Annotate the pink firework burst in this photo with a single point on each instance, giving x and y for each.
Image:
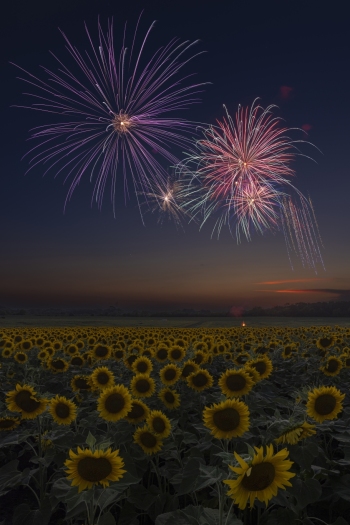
(240, 171)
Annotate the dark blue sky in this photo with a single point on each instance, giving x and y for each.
(253, 49)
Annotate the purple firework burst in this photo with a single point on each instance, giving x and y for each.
(114, 113)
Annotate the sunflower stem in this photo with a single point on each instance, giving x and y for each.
(41, 467)
(229, 512)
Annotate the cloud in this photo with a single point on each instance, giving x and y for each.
(293, 281)
(286, 92)
(344, 294)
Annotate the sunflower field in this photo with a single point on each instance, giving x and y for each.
(171, 426)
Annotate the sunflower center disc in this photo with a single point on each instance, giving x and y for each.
(21, 357)
(82, 383)
(114, 403)
(200, 380)
(94, 469)
(119, 353)
(176, 354)
(332, 365)
(326, 342)
(142, 367)
(142, 386)
(325, 404)
(25, 402)
(136, 411)
(102, 378)
(101, 351)
(162, 354)
(158, 425)
(260, 366)
(62, 410)
(148, 440)
(261, 476)
(235, 382)
(187, 370)
(170, 374)
(77, 361)
(169, 397)
(227, 419)
(58, 364)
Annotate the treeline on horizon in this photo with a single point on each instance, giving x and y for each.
(320, 309)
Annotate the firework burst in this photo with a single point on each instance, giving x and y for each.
(166, 200)
(240, 171)
(115, 111)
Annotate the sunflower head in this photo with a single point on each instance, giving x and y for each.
(142, 365)
(101, 378)
(200, 380)
(87, 468)
(148, 441)
(138, 412)
(142, 385)
(159, 423)
(261, 477)
(114, 403)
(170, 398)
(235, 383)
(324, 403)
(62, 410)
(227, 419)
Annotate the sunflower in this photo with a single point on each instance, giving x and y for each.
(7, 352)
(77, 360)
(170, 398)
(324, 403)
(296, 433)
(129, 360)
(170, 374)
(100, 352)
(262, 365)
(159, 423)
(188, 368)
(26, 345)
(119, 353)
(43, 354)
(114, 403)
(87, 468)
(200, 380)
(142, 385)
(62, 410)
(57, 365)
(80, 382)
(142, 365)
(200, 357)
(332, 367)
(148, 441)
(161, 353)
(261, 477)
(21, 357)
(227, 419)
(235, 383)
(176, 353)
(8, 423)
(241, 358)
(23, 400)
(325, 342)
(102, 378)
(138, 412)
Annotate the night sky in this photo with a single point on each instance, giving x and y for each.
(289, 53)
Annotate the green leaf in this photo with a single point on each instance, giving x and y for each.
(107, 519)
(279, 516)
(194, 516)
(305, 492)
(341, 487)
(90, 440)
(195, 476)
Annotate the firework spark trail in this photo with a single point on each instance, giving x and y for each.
(166, 201)
(241, 171)
(115, 113)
